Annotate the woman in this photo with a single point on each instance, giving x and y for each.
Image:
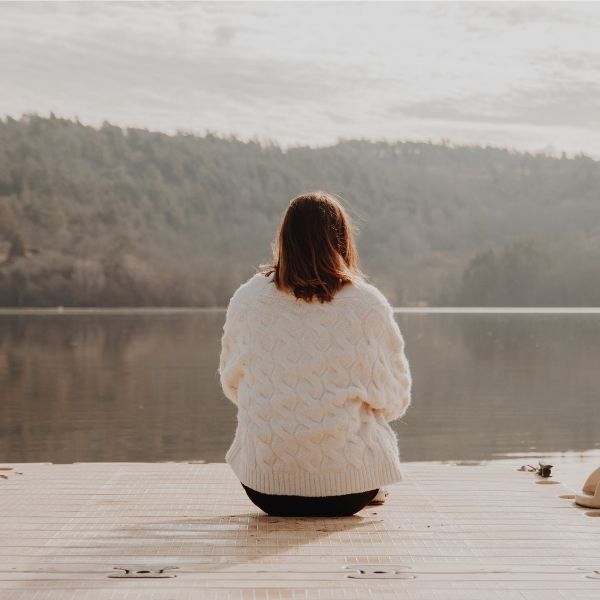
(313, 359)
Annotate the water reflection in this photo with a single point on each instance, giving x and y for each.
(144, 387)
(494, 385)
(112, 388)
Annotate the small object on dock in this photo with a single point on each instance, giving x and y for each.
(544, 470)
(589, 496)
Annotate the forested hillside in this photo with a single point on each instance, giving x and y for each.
(114, 217)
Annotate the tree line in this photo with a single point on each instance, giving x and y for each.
(129, 217)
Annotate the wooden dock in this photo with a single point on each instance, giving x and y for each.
(173, 531)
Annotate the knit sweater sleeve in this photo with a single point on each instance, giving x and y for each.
(233, 350)
(390, 385)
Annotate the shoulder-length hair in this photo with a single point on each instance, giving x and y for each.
(314, 253)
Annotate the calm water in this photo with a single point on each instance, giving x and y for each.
(144, 387)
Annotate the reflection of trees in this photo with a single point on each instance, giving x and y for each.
(494, 384)
(72, 387)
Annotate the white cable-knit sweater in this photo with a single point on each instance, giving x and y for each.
(315, 385)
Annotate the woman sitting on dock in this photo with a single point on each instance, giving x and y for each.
(314, 360)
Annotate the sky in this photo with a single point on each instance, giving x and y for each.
(519, 75)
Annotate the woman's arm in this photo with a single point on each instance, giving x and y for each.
(231, 358)
(390, 386)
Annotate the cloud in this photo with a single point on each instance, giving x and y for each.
(532, 13)
(109, 73)
(223, 35)
(122, 59)
(337, 118)
(571, 65)
(574, 105)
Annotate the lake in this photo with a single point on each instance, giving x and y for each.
(143, 386)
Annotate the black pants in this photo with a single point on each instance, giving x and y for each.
(304, 506)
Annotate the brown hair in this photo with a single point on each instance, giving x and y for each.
(314, 253)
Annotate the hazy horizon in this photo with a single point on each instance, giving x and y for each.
(521, 76)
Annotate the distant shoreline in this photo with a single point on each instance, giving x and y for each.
(191, 310)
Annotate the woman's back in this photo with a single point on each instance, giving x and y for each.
(316, 384)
